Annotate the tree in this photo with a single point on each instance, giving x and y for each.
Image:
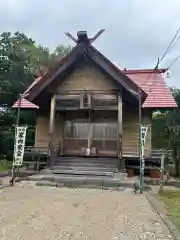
(166, 131)
(20, 59)
(173, 130)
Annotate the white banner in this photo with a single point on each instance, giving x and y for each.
(20, 138)
(144, 130)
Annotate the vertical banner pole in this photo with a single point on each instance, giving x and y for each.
(142, 139)
(140, 143)
(143, 134)
(17, 124)
(141, 161)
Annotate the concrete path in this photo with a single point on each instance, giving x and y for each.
(41, 213)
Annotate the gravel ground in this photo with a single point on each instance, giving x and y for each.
(31, 213)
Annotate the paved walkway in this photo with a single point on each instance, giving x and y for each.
(33, 213)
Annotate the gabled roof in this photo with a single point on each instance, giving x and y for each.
(25, 104)
(84, 48)
(150, 81)
(153, 83)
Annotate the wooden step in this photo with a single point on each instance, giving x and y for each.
(83, 172)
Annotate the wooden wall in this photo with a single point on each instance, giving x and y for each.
(90, 78)
(130, 139)
(86, 77)
(42, 130)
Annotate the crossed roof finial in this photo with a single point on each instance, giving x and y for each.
(82, 36)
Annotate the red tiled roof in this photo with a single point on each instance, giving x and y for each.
(153, 83)
(25, 104)
(150, 80)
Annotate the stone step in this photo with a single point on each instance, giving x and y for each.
(85, 165)
(78, 179)
(77, 186)
(87, 160)
(82, 181)
(63, 178)
(82, 172)
(84, 168)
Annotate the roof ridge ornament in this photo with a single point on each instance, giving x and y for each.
(82, 36)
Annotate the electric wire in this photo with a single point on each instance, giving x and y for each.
(174, 61)
(171, 45)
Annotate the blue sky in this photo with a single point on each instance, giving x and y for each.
(137, 31)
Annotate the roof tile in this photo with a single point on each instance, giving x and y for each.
(153, 83)
(25, 104)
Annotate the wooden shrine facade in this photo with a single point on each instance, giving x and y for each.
(88, 111)
(86, 103)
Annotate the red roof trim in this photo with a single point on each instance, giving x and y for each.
(136, 71)
(33, 84)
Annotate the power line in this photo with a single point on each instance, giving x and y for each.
(169, 47)
(174, 43)
(174, 61)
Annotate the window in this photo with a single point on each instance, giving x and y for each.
(71, 130)
(98, 131)
(83, 130)
(111, 131)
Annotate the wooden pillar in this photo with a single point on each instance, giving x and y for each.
(120, 132)
(62, 133)
(51, 130)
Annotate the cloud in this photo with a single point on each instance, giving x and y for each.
(137, 31)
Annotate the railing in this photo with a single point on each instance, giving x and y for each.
(37, 157)
(153, 162)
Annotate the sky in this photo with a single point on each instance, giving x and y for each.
(137, 31)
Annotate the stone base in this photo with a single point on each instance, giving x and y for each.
(117, 182)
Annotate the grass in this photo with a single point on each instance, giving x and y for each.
(5, 165)
(172, 202)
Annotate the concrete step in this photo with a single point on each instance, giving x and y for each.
(77, 179)
(87, 160)
(82, 172)
(84, 168)
(85, 165)
(102, 182)
(51, 184)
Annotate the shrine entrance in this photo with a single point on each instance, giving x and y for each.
(87, 129)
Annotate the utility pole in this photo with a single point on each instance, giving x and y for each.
(141, 144)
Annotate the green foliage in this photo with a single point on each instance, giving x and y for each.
(159, 132)
(20, 59)
(172, 202)
(5, 165)
(166, 131)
